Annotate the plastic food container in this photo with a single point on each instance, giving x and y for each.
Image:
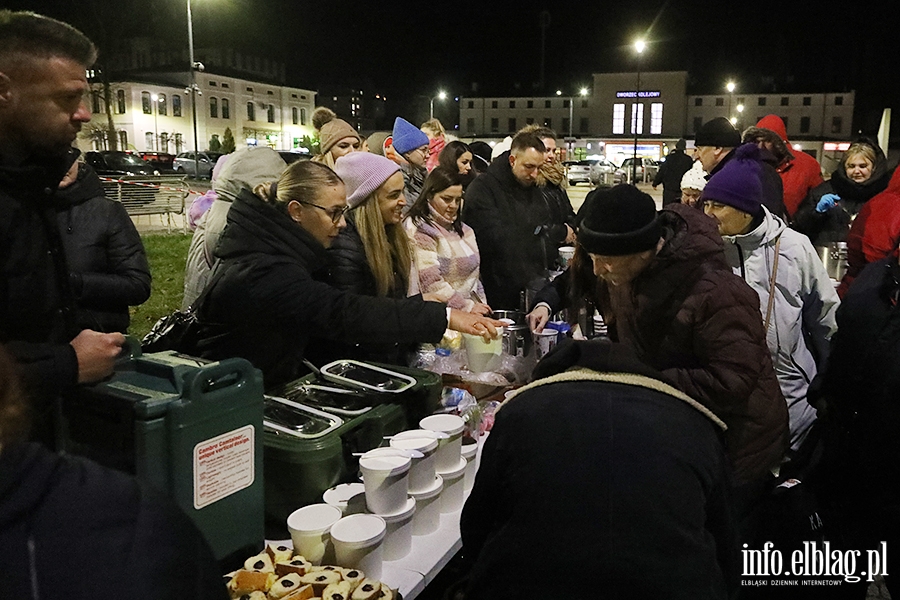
(358, 543)
(449, 449)
(428, 508)
(310, 531)
(349, 497)
(470, 453)
(398, 538)
(454, 482)
(385, 477)
(422, 470)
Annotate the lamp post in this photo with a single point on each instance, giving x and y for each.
(740, 110)
(639, 48)
(582, 92)
(730, 87)
(193, 88)
(442, 95)
(155, 99)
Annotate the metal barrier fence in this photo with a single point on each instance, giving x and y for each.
(161, 195)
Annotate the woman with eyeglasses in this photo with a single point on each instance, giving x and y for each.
(267, 298)
(446, 253)
(411, 143)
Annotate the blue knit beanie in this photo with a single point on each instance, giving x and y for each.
(739, 183)
(407, 137)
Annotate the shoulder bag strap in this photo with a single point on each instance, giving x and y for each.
(772, 285)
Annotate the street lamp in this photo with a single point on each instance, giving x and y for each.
(582, 92)
(639, 48)
(442, 95)
(730, 87)
(194, 65)
(155, 98)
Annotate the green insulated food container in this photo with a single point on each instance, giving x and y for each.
(188, 427)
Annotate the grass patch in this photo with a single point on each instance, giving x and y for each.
(167, 253)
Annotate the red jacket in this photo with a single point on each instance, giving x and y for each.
(799, 175)
(875, 232)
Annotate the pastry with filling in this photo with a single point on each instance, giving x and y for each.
(260, 562)
(321, 579)
(298, 565)
(245, 582)
(285, 586)
(368, 589)
(353, 577)
(386, 593)
(324, 568)
(279, 553)
(337, 591)
(304, 593)
(252, 596)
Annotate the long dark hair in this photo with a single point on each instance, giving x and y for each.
(450, 154)
(437, 181)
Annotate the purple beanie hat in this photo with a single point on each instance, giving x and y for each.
(739, 183)
(363, 173)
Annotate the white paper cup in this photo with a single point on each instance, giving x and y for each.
(385, 479)
(358, 543)
(398, 538)
(310, 527)
(454, 482)
(566, 253)
(349, 497)
(448, 452)
(428, 508)
(482, 356)
(545, 341)
(421, 471)
(470, 453)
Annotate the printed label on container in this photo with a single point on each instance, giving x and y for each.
(223, 465)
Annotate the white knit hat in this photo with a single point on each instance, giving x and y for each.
(363, 173)
(694, 178)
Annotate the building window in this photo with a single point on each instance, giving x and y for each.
(146, 103)
(761, 101)
(785, 101)
(250, 89)
(618, 119)
(548, 122)
(495, 124)
(804, 124)
(512, 103)
(270, 113)
(584, 104)
(212, 84)
(295, 115)
(161, 105)
(720, 101)
(511, 125)
(95, 103)
(120, 101)
(123, 138)
(698, 101)
(566, 103)
(785, 119)
(698, 123)
(838, 100)
(179, 142)
(637, 118)
(836, 124)
(270, 92)
(224, 85)
(547, 104)
(303, 116)
(530, 104)
(226, 109)
(494, 104)
(251, 111)
(583, 126)
(529, 121)
(148, 140)
(656, 112)
(471, 104)
(176, 105)
(470, 125)
(164, 142)
(214, 108)
(566, 125)
(807, 101)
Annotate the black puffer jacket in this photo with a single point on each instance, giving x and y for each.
(513, 226)
(670, 173)
(834, 225)
(37, 309)
(108, 268)
(70, 528)
(264, 303)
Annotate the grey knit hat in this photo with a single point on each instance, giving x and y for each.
(247, 168)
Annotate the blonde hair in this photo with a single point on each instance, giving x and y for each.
(434, 127)
(860, 149)
(324, 159)
(301, 181)
(387, 247)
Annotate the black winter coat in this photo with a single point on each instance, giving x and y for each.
(264, 302)
(108, 268)
(70, 528)
(37, 308)
(512, 226)
(670, 173)
(613, 489)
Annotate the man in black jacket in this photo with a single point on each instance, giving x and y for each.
(677, 163)
(513, 224)
(42, 88)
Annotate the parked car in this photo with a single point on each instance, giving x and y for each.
(161, 161)
(184, 163)
(579, 171)
(108, 162)
(602, 172)
(290, 156)
(645, 171)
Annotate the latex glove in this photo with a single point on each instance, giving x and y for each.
(827, 202)
(538, 318)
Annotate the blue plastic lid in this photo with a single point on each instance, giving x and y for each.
(442, 351)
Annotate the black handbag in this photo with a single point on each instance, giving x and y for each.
(181, 330)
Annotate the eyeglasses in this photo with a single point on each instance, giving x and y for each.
(335, 213)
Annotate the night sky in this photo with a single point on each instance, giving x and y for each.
(401, 48)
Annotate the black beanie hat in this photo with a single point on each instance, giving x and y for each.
(718, 132)
(619, 221)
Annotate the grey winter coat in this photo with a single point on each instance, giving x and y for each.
(803, 311)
